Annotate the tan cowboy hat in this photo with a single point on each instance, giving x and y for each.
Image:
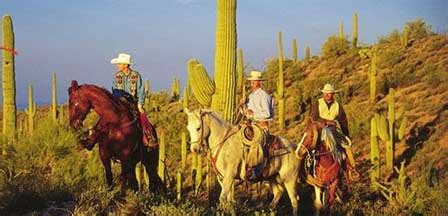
(255, 75)
(328, 88)
(123, 58)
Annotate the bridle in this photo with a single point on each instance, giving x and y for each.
(213, 158)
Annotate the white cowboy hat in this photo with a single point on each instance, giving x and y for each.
(123, 58)
(328, 88)
(255, 75)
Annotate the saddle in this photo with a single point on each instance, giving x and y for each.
(149, 135)
(259, 148)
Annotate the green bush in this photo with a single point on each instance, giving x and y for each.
(334, 46)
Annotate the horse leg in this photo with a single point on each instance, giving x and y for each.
(150, 160)
(318, 202)
(128, 176)
(277, 190)
(105, 159)
(226, 187)
(291, 188)
(332, 192)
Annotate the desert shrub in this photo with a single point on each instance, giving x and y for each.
(389, 57)
(417, 29)
(392, 37)
(334, 46)
(433, 75)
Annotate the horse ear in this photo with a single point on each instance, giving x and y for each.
(74, 85)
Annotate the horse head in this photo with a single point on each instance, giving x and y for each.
(309, 139)
(197, 128)
(78, 105)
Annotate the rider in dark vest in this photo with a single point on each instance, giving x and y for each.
(328, 112)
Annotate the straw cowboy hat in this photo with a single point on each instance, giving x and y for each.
(255, 75)
(123, 58)
(328, 88)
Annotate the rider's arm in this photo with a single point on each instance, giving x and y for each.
(140, 91)
(343, 122)
(314, 111)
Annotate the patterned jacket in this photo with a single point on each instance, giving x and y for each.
(131, 83)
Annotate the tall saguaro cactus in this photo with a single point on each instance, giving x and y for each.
(54, 102)
(294, 50)
(147, 104)
(31, 110)
(341, 30)
(374, 154)
(390, 145)
(307, 54)
(280, 85)
(355, 31)
(220, 94)
(240, 73)
(225, 59)
(372, 75)
(8, 80)
(162, 157)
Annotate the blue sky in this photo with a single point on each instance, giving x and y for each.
(77, 39)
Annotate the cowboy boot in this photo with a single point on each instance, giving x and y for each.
(352, 174)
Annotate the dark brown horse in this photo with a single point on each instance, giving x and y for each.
(324, 173)
(117, 132)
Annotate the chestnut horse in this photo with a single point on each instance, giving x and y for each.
(117, 132)
(324, 172)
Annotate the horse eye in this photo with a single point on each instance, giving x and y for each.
(199, 128)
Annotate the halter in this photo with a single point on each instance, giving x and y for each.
(214, 158)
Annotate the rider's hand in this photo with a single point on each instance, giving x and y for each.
(140, 108)
(249, 112)
(330, 123)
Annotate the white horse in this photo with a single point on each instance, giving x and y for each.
(208, 130)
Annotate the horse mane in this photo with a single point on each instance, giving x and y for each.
(217, 116)
(104, 92)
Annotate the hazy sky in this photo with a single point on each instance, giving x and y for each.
(78, 38)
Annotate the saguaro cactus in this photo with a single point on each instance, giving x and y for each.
(31, 110)
(355, 31)
(280, 85)
(175, 89)
(201, 85)
(8, 80)
(307, 54)
(404, 38)
(183, 148)
(240, 72)
(147, 104)
(294, 50)
(372, 75)
(386, 129)
(222, 94)
(54, 102)
(390, 145)
(198, 179)
(225, 59)
(374, 154)
(162, 157)
(341, 30)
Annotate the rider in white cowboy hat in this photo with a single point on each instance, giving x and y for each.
(128, 80)
(328, 112)
(260, 107)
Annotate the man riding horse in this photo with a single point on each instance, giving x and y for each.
(259, 107)
(329, 113)
(128, 84)
(259, 111)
